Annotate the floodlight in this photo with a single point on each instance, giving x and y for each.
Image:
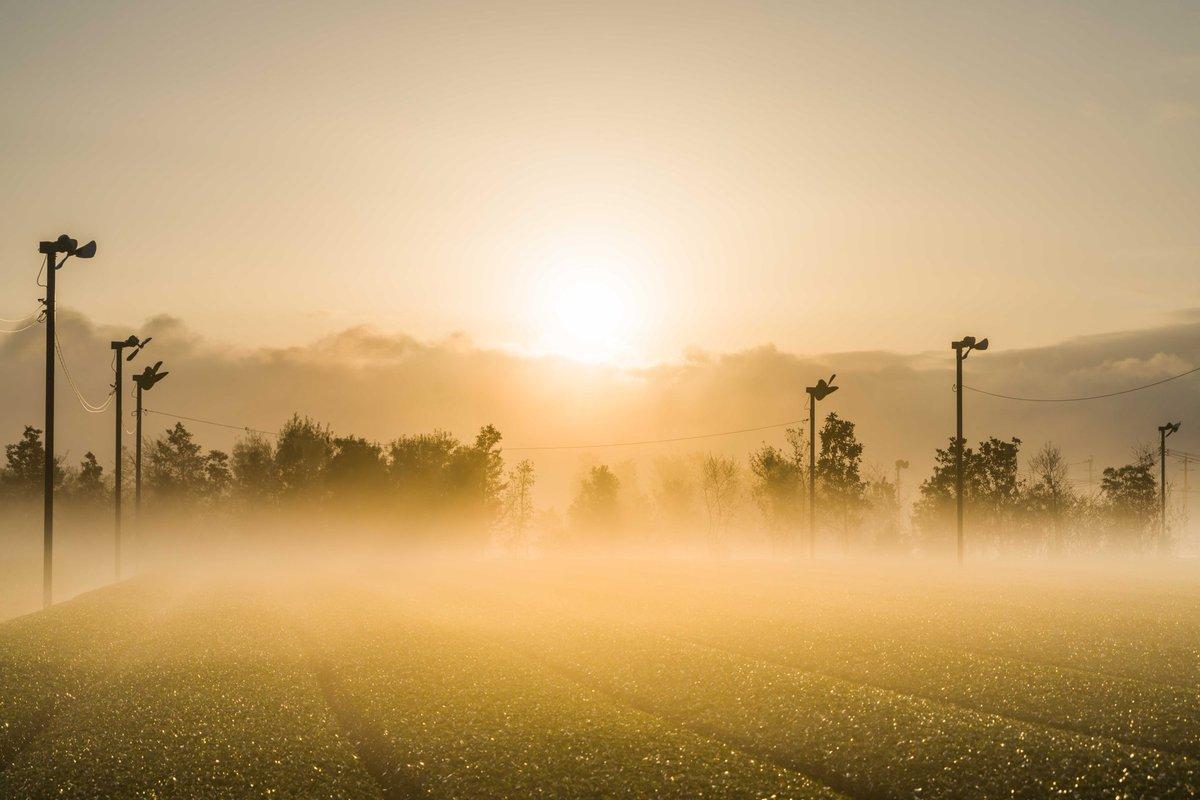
(982, 345)
(968, 341)
(149, 376)
(87, 251)
(65, 244)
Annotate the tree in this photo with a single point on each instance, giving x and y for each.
(518, 504)
(357, 472)
(992, 489)
(674, 493)
(255, 475)
(26, 465)
(842, 487)
(882, 511)
(217, 476)
(302, 454)
(595, 511)
(719, 482)
(1130, 497)
(477, 479)
(175, 467)
(1049, 495)
(89, 488)
(778, 479)
(419, 465)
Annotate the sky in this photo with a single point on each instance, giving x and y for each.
(589, 202)
(615, 181)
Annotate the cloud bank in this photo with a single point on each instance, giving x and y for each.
(380, 384)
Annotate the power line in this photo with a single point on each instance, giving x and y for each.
(657, 441)
(91, 408)
(32, 321)
(1088, 397)
(28, 316)
(209, 422)
(693, 437)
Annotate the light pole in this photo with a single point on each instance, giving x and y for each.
(961, 348)
(900, 464)
(145, 381)
(819, 392)
(119, 390)
(70, 247)
(1163, 432)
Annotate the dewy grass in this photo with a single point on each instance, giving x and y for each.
(605, 679)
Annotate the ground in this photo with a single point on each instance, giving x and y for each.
(612, 678)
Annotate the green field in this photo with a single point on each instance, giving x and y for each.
(621, 678)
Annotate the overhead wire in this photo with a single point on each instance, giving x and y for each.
(692, 437)
(656, 441)
(89, 407)
(31, 323)
(209, 422)
(1086, 397)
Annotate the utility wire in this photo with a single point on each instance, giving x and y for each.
(542, 447)
(30, 315)
(91, 408)
(32, 321)
(656, 441)
(209, 422)
(1078, 399)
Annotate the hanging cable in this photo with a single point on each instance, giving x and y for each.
(1088, 397)
(658, 441)
(91, 408)
(209, 422)
(27, 326)
(693, 437)
(30, 315)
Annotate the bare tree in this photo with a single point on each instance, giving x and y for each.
(518, 504)
(1050, 491)
(719, 482)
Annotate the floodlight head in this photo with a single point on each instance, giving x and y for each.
(132, 341)
(823, 388)
(65, 244)
(901, 464)
(968, 341)
(982, 344)
(137, 346)
(87, 251)
(149, 376)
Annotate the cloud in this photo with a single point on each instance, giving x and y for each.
(380, 384)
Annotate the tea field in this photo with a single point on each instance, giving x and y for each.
(616, 678)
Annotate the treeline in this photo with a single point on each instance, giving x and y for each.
(434, 485)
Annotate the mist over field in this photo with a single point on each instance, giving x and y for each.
(527, 400)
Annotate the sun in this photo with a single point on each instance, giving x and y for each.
(588, 314)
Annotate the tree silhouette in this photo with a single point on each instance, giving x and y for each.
(25, 466)
(596, 512)
(843, 490)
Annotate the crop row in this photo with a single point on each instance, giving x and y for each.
(863, 740)
(211, 698)
(447, 714)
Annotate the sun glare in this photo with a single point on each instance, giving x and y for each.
(588, 314)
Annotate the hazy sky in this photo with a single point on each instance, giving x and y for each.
(611, 180)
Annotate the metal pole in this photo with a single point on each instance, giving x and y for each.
(812, 475)
(48, 469)
(118, 388)
(137, 462)
(1162, 491)
(958, 446)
